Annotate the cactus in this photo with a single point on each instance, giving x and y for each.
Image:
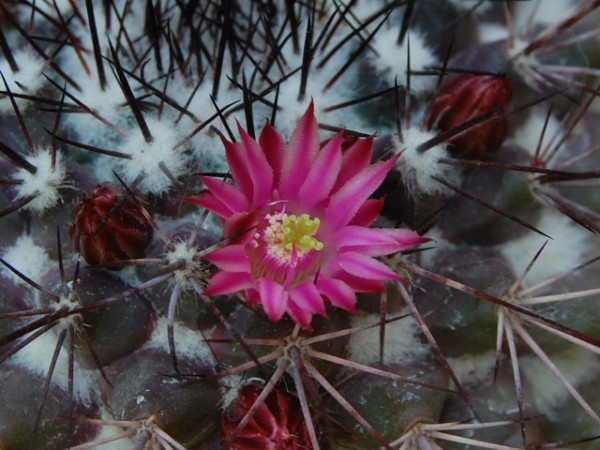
(299, 225)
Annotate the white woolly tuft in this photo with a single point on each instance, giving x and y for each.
(292, 107)
(475, 368)
(110, 431)
(401, 341)
(106, 431)
(547, 392)
(417, 168)
(44, 184)
(49, 7)
(27, 80)
(209, 153)
(188, 343)
(531, 14)
(110, 104)
(183, 251)
(147, 158)
(230, 389)
(439, 244)
(492, 32)
(28, 258)
(107, 104)
(37, 357)
(468, 5)
(567, 249)
(392, 59)
(527, 135)
(522, 61)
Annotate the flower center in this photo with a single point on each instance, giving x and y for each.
(286, 235)
(299, 232)
(285, 247)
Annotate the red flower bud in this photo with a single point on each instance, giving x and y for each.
(108, 227)
(465, 98)
(278, 423)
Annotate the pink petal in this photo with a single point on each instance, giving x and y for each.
(355, 159)
(223, 283)
(323, 173)
(274, 298)
(298, 160)
(307, 297)
(231, 258)
(261, 173)
(408, 238)
(207, 200)
(346, 202)
(363, 266)
(238, 164)
(375, 242)
(227, 194)
(240, 226)
(273, 147)
(354, 236)
(368, 212)
(358, 284)
(338, 293)
(301, 316)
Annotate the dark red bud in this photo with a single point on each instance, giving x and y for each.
(108, 227)
(466, 98)
(277, 423)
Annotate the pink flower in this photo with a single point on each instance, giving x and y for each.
(298, 219)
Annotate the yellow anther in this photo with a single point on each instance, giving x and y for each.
(299, 232)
